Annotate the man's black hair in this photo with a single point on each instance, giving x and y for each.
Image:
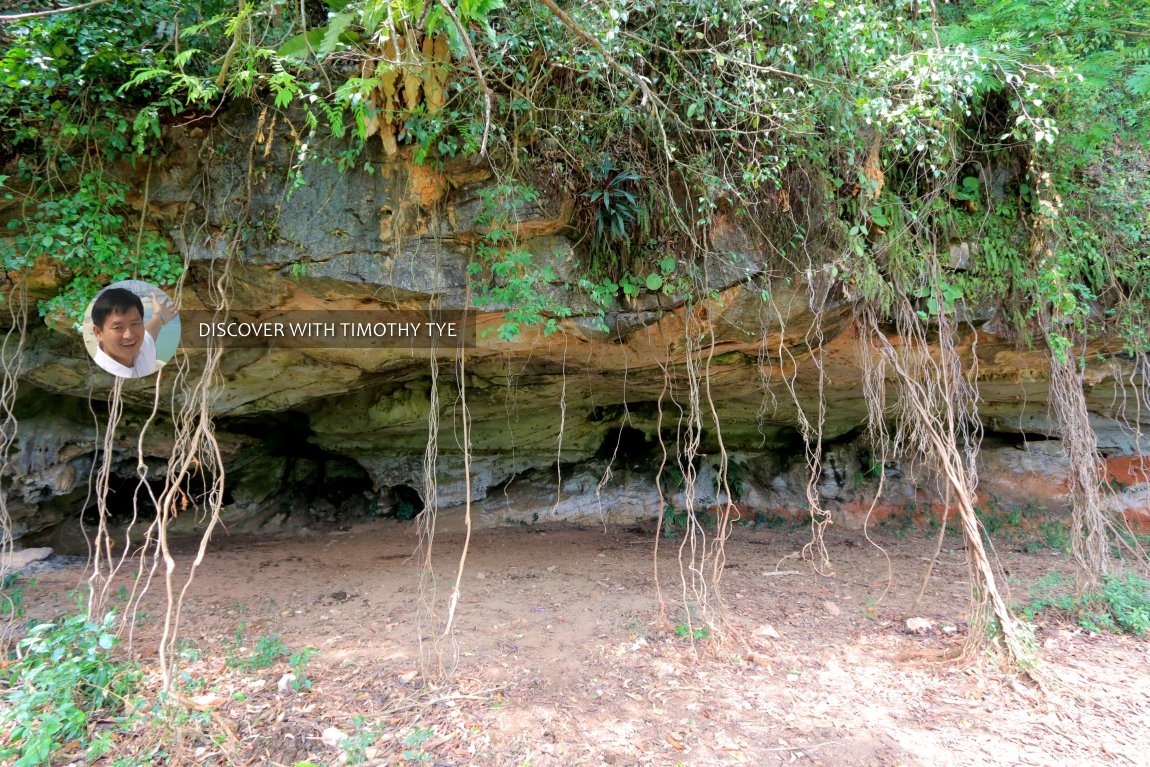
(115, 300)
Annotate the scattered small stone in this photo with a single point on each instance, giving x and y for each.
(481, 576)
(832, 609)
(333, 736)
(208, 701)
(767, 630)
(918, 625)
(17, 560)
(552, 568)
(285, 681)
(949, 629)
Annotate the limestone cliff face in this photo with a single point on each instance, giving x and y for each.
(564, 425)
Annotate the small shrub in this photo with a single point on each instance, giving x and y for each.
(11, 597)
(1055, 535)
(415, 742)
(64, 678)
(298, 661)
(1120, 606)
(675, 522)
(999, 522)
(268, 650)
(364, 737)
(683, 631)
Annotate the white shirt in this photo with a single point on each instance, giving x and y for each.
(145, 363)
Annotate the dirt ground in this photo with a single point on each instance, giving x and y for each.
(560, 658)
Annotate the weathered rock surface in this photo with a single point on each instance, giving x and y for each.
(13, 561)
(562, 426)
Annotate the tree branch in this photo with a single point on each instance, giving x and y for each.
(488, 96)
(51, 12)
(237, 33)
(582, 34)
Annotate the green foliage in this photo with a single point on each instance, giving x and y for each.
(60, 78)
(12, 589)
(405, 510)
(63, 680)
(86, 231)
(736, 481)
(356, 25)
(871, 130)
(364, 736)
(1120, 605)
(1087, 188)
(774, 521)
(902, 521)
(1055, 535)
(514, 284)
(1000, 522)
(298, 662)
(268, 651)
(415, 741)
(675, 522)
(683, 631)
(299, 270)
(617, 210)
(63, 122)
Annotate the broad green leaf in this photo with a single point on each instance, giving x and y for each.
(300, 46)
(332, 37)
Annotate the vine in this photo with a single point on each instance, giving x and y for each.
(912, 162)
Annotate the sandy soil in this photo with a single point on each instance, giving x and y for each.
(561, 659)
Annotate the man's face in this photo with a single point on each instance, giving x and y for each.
(121, 336)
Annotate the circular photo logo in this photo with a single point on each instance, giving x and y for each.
(131, 328)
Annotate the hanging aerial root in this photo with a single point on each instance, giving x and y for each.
(874, 394)
(937, 419)
(701, 556)
(11, 363)
(439, 650)
(195, 453)
(812, 433)
(661, 520)
(426, 522)
(1091, 526)
(102, 560)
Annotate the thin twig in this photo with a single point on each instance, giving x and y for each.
(51, 12)
(582, 34)
(488, 96)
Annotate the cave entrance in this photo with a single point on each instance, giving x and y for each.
(126, 498)
(631, 446)
(299, 480)
(408, 502)
(129, 501)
